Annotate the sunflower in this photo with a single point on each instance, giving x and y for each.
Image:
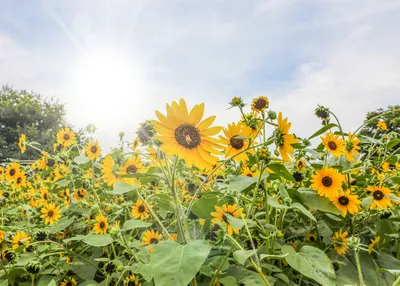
(249, 172)
(380, 197)
(301, 165)
(69, 281)
(283, 139)
(382, 125)
(20, 181)
(66, 195)
(185, 135)
(351, 147)
(20, 238)
(237, 138)
(311, 237)
(346, 203)
(333, 143)
(374, 242)
(66, 137)
(2, 172)
(151, 237)
(259, 104)
(219, 216)
(340, 242)
(93, 150)
(140, 210)
(44, 196)
(12, 171)
(102, 224)
(51, 213)
(80, 194)
(131, 281)
(132, 166)
(107, 169)
(22, 143)
(327, 181)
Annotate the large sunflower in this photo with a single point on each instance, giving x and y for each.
(237, 139)
(139, 210)
(12, 171)
(333, 143)
(219, 216)
(51, 213)
(283, 139)
(19, 239)
(102, 224)
(346, 203)
(259, 104)
(66, 137)
(22, 143)
(380, 197)
(184, 134)
(107, 170)
(93, 150)
(20, 181)
(340, 242)
(351, 147)
(327, 181)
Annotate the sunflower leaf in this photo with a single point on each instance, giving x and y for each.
(98, 240)
(234, 222)
(81, 160)
(281, 171)
(61, 224)
(242, 255)
(135, 223)
(322, 130)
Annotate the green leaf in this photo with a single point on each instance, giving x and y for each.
(176, 265)
(302, 209)
(312, 200)
(228, 281)
(273, 256)
(165, 202)
(234, 222)
(143, 269)
(61, 224)
(205, 206)
(62, 183)
(81, 160)
(274, 203)
(322, 130)
(281, 171)
(98, 240)
(122, 188)
(242, 255)
(52, 283)
(368, 140)
(242, 183)
(311, 262)
(135, 223)
(392, 143)
(366, 203)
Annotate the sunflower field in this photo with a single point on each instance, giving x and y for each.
(191, 203)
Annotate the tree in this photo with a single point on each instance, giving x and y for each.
(391, 119)
(38, 117)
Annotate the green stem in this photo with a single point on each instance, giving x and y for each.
(397, 282)
(215, 277)
(360, 277)
(8, 276)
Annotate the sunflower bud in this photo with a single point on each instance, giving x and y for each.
(264, 155)
(8, 255)
(272, 115)
(146, 132)
(298, 176)
(41, 235)
(33, 267)
(237, 101)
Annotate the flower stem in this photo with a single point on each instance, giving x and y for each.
(360, 277)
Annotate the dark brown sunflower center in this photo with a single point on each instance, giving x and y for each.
(102, 224)
(12, 172)
(19, 180)
(343, 200)
(332, 145)
(69, 284)
(378, 195)
(81, 194)
(45, 196)
(50, 163)
(132, 169)
(93, 149)
(187, 136)
(66, 136)
(236, 143)
(153, 240)
(50, 213)
(141, 208)
(327, 181)
(260, 103)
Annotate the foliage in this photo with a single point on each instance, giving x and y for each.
(181, 206)
(29, 113)
(391, 119)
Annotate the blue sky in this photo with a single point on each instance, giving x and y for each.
(114, 62)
